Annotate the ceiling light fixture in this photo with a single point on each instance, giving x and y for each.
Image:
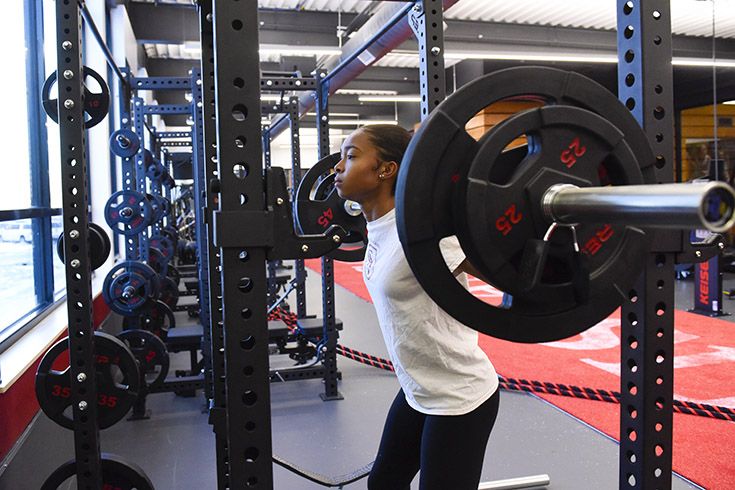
(299, 51)
(361, 122)
(359, 91)
(389, 98)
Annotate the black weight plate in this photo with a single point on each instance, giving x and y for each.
(106, 243)
(128, 212)
(172, 232)
(164, 244)
(116, 375)
(99, 246)
(157, 205)
(157, 261)
(169, 290)
(174, 274)
(151, 353)
(510, 202)
(129, 287)
(318, 206)
(155, 171)
(166, 204)
(96, 105)
(124, 143)
(117, 474)
(157, 318)
(436, 164)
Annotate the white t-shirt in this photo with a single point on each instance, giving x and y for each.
(438, 361)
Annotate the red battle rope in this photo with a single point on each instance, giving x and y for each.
(529, 386)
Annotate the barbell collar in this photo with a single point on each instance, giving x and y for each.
(709, 205)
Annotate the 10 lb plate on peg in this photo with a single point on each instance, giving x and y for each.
(117, 380)
(124, 143)
(99, 246)
(487, 191)
(96, 104)
(318, 206)
(117, 474)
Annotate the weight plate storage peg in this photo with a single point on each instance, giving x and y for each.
(128, 212)
(96, 104)
(129, 287)
(157, 318)
(124, 143)
(117, 378)
(489, 194)
(99, 246)
(318, 206)
(151, 353)
(117, 474)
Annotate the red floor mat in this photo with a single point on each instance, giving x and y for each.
(704, 362)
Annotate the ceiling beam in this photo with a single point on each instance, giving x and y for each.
(173, 24)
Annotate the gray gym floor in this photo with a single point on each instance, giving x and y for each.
(176, 446)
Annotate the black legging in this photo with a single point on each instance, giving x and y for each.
(448, 449)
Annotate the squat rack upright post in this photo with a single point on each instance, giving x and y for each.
(75, 204)
(237, 108)
(218, 401)
(645, 86)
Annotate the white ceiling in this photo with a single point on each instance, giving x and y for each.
(689, 17)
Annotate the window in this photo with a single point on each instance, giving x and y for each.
(15, 186)
(31, 277)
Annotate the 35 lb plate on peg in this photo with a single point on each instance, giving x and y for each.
(128, 212)
(99, 246)
(96, 104)
(117, 474)
(151, 353)
(129, 287)
(488, 194)
(318, 206)
(117, 381)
